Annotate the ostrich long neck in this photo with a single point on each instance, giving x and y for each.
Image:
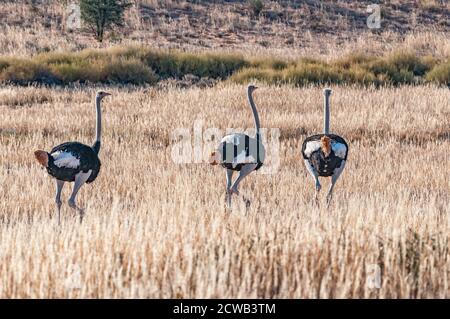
(98, 128)
(326, 111)
(255, 112)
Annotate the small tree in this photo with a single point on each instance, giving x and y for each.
(256, 6)
(100, 15)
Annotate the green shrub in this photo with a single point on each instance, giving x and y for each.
(79, 72)
(212, 66)
(55, 58)
(162, 63)
(357, 74)
(251, 74)
(269, 63)
(429, 62)
(222, 66)
(408, 62)
(4, 63)
(440, 74)
(93, 54)
(128, 51)
(105, 70)
(22, 71)
(201, 66)
(128, 71)
(311, 61)
(176, 65)
(256, 7)
(393, 71)
(351, 60)
(141, 65)
(307, 73)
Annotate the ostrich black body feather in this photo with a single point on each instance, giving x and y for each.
(88, 161)
(249, 147)
(325, 165)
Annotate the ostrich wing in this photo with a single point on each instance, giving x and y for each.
(241, 158)
(311, 147)
(339, 149)
(65, 159)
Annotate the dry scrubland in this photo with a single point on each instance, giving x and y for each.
(325, 29)
(287, 42)
(154, 228)
(157, 229)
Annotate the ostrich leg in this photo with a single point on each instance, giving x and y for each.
(59, 187)
(228, 195)
(246, 169)
(334, 178)
(315, 175)
(80, 179)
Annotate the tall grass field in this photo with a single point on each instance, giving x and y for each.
(155, 228)
(156, 222)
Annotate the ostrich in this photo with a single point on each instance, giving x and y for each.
(325, 154)
(240, 152)
(74, 162)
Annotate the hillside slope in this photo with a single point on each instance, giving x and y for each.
(282, 27)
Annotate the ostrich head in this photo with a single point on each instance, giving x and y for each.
(214, 158)
(102, 94)
(325, 145)
(251, 88)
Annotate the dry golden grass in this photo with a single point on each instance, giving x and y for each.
(154, 228)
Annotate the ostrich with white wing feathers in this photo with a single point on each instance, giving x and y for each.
(325, 154)
(74, 162)
(240, 152)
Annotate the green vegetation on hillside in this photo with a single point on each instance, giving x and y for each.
(140, 65)
(395, 69)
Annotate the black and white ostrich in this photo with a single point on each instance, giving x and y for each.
(74, 162)
(325, 154)
(240, 152)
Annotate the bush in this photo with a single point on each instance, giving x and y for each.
(307, 73)
(141, 65)
(213, 66)
(408, 62)
(4, 63)
(176, 65)
(21, 71)
(79, 72)
(126, 65)
(440, 74)
(353, 59)
(269, 63)
(357, 74)
(396, 69)
(256, 7)
(106, 70)
(263, 75)
(129, 71)
(55, 58)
